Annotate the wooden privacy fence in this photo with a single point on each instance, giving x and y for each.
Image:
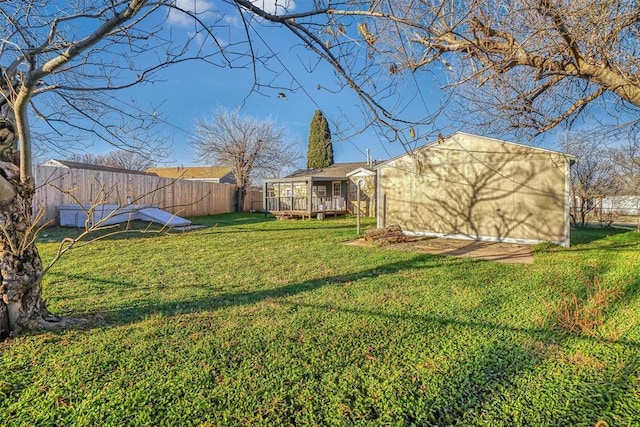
(63, 186)
(253, 200)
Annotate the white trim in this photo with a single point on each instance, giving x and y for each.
(567, 204)
(333, 188)
(361, 172)
(479, 238)
(378, 198)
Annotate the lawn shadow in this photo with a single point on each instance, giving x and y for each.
(231, 219)
(124, 231)
(144, 229)
(240, 219)
(580, 236)
(144, 308)
(227, 223)
(216, 230)
(488, 370)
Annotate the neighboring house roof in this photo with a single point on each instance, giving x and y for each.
(221, 174)
(88, 166)
(336, 170)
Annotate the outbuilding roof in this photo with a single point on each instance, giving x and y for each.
(88, 166)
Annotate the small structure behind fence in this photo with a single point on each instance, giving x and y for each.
(64, 186)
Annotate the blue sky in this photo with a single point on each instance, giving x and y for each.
(193, 90)
(233, 88)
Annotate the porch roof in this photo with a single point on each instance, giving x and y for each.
(335, 172)
(305, 179)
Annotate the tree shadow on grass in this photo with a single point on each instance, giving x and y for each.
(139, 229)
(581, 236)
(146, 230)
(481, 377)
(215, 230)
(147, 307)
(240, 219)
(124, 231)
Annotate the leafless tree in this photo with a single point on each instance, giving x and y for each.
(592, 175)
(62, 68)
(626, 167)
(250, 147)
(122, 159)
(518, 66)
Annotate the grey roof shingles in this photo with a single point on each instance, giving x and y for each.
(335, 170)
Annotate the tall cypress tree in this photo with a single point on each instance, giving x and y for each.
(320, 149)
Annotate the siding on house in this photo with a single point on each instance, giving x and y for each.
(479, 188)
(626, 205)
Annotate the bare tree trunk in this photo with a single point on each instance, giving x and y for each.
(583, 211)
(240, 194)
(21, 303)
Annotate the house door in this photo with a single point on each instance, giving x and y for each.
(338, 199)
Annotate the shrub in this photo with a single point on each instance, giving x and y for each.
(584, 315)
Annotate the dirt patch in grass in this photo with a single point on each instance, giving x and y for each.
(493, 251)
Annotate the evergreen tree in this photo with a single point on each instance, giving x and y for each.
(319, 150)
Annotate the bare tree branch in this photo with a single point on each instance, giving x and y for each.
(250, 147)
(553, 58)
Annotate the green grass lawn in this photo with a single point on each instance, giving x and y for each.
(253, 321)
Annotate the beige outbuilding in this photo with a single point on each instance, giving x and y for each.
(473, 187)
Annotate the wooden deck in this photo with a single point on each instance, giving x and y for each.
(298, 206)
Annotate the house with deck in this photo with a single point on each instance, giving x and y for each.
(316, 193)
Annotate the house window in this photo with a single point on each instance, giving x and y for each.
(337, 189)
(288, 192)
(320, 191)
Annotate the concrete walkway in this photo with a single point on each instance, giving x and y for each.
(507, 253)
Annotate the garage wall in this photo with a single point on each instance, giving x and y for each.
(480, 188)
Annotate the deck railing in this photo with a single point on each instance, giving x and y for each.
(321, 204)
(318, 204)
(287, 203)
